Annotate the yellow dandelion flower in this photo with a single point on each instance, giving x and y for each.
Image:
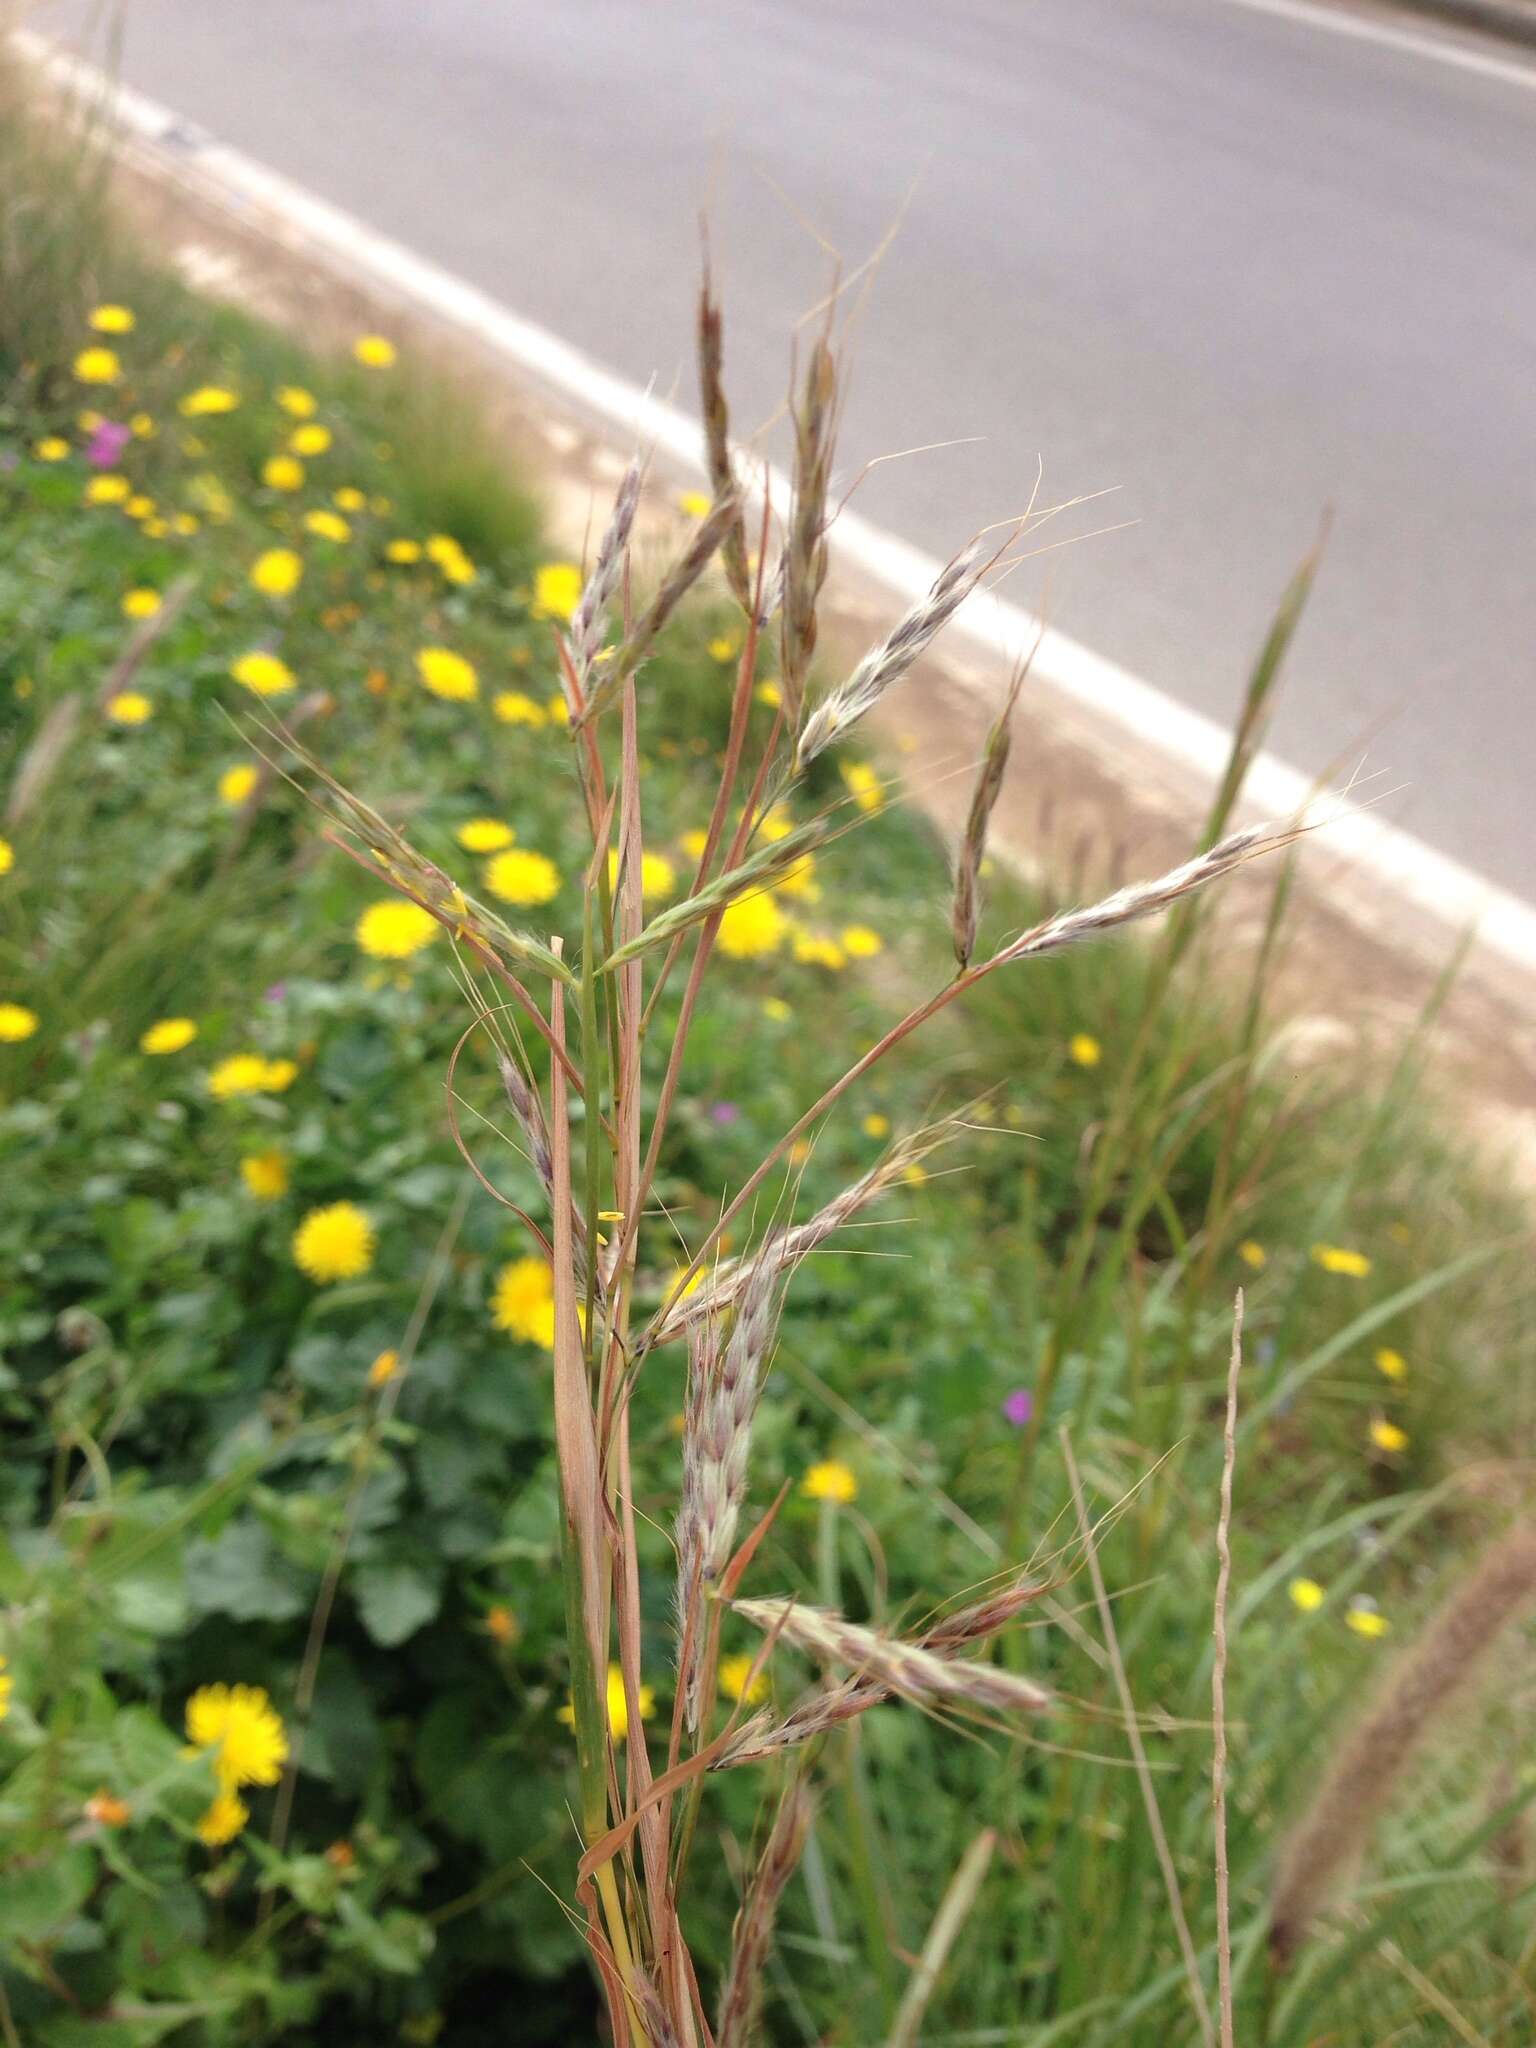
(142, 427)
(236, 784)
(1391, 1364)
(276, 1075)
(830, 1480)
(98, 366)
(558, 711)
(447, 675)
(523, 1303)
(349, 499)
(769, 694)
(108, 490)
(264, 673)
(876, 1126)
(1386, 1436)
(513, 707)
(694, 504)
(913, 1174)
(1084, 1050)
(110, 320)
(403, 551)
(334, 1243)
(725, 647)
(1367, 1622)
(129, 707)
(860, 943)
(265, 1175)
(484, 835)
(16, 1023)
(242, 1073)
(298, 403)
(383, 1369)
(815, 949)
(618, 1705)
(863, 785)
(242, 1729)
(155, 529)
(738, 1681)
(140, 604)
(556, 590)
(521, 877)
(776, 1010)
(171, 1034)
(374, 351)
(185, 523)
(207, 400)
(52, 448)
(139, 507)
(501, 1625)
(7, 1687)
(658, 877)
(1253, 1254)
(693, 844)
(1335, 1258)
(395, 929)
(1307, 1594)
(310, 440)
(328, 525)
(799, 1152)
(223, 1820)
(277, 573)
(751, 927)
(282, 473)
(7, 856)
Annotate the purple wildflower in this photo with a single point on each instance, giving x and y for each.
(1019, 1407)
(724, 1112)
(275, 993)
(106, 444)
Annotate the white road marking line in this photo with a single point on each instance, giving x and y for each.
(1418, 43)
(1398, 864)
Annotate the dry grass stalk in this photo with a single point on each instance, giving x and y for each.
(753, 1932)
(973, 841)
(760, 870)
(804, 564)
(717, 442)
(1370, 1762)
(954, 1910)
(909, 1669)
(1219, 1685)
(886, 664)
(1138, 1751)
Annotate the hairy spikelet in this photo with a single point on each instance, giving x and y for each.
(753, 1932)
(826, 1707)
(590, 618)
(805, 549)
(760, 870)
(1146, 899)
(973, 841)
(717, 442)
(1369, 1763)
(725, 1379)
(910, 1669)
(783, 1250)
(703, 545)
(888, 663)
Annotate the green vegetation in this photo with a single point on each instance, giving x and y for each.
(247, 1447)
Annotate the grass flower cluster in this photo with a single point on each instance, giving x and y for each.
(532, 1376)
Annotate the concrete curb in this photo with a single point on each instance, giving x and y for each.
(1402, 882)
(1507, 18)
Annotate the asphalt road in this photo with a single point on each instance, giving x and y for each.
(1228, 263)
